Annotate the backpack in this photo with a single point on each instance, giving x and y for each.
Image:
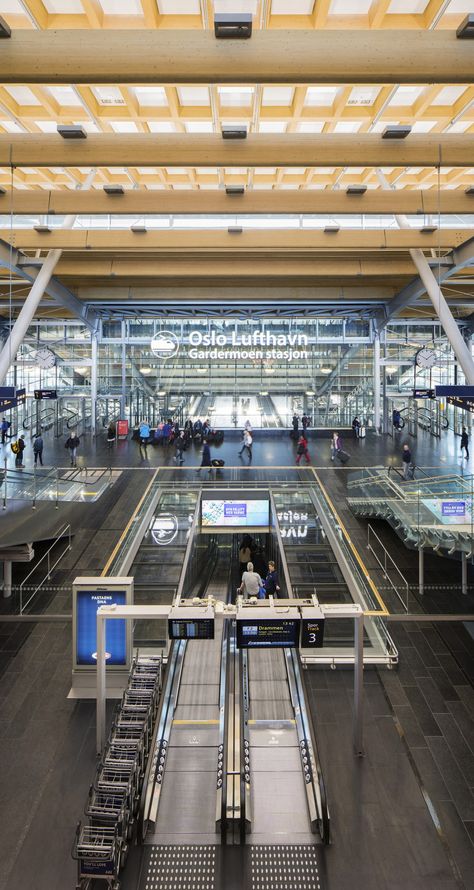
(15, 447)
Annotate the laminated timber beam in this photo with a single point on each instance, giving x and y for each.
(142, 201)
(247, 243)
(195, 56)
(289, 150)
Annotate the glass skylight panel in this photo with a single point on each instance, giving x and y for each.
(194, 96)
(65, 95)
(22, 95)
(89, 126)
(122, 7)
(460, 127)
(12, 127)
(310, 126)
(350, 7)
(423, 126)
(407, 7)
(347, 126)
(108, 95)
(177, 171)
(199, 126)
(277, 96)
(460, 6)
(47, 126)
(406, 95)
(449, 95)
(161, 126)
(236, 6)
(272, 127)
(292, 7)
(124, 126)
(183, 7)
(12, 6)
(63, 7)
(363, 95)
(236, 97)
(151, 96)
(380, 126)
(320, 96)
(207, 171)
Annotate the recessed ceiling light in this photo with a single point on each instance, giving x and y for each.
(234, 132)
(233, 26)
(396, 132)
(5, 30)
(72, 131)
(466, 28)
(356, 190)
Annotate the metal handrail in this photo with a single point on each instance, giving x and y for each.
(383, 566)
(60, 534)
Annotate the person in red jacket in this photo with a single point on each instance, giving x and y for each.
(302, 449)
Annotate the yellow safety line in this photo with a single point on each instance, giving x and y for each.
(195, 722)
(354, 552)
(124, 533)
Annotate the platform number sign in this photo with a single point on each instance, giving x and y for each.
(312, 633)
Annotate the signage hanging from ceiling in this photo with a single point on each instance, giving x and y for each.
(231, 346)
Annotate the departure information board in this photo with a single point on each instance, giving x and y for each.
(191, 628)
(258, 633)
(312, 633)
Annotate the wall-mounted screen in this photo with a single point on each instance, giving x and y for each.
(189, 629)
(258, 633)
(87, 604)
(243, 510)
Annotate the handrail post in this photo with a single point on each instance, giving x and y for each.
(358, 684)
(5, 484)
(57, 488)
(34, 487)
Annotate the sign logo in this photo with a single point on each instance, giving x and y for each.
(164, 345)
(164, 529)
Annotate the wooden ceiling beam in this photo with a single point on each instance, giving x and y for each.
(271, 56)
(258, 150)
(142, 201)
(249, 242)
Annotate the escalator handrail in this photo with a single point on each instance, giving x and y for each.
(307, 713)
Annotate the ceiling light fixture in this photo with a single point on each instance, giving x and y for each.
(235, 230)
(396, 132)
(356, 189)
(2, 190)
(72, 131)
(234, 190)
(113, 190)
(233, 25)
(234, 132)
(5, 30)
(332, 230)
(470, 191)
(43, 230)
(428, 230)
(161, 392)
(466, 28)
(138, 230)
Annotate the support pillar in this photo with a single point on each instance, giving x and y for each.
(38, 288)
(421, 571)
(359, 685)
(7, 578)
(100, 705)
(377, 383)
(464, 573)
(94, 385)
(123, 395)
(458, 345)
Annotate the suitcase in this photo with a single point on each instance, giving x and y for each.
(362, 432)
(343, 456)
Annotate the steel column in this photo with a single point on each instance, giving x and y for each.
(421, 571)
(94, 384)
(101, 701)
(464, 572)
(377, 383)
(7, 578)
(359, 685)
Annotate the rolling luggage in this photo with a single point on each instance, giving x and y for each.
(343, 456)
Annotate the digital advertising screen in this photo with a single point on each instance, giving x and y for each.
(241, 512)
(258, 633)
(87, 604)
(191, 629)
(452, 511)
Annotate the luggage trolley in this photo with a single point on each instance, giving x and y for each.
(105, 809)
(97, 850)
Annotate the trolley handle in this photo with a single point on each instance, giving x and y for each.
(74, 852)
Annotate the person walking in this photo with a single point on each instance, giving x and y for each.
(251, 582)
(336, 445)
(72, 444)
(247, 442)
(38, 449)
(206, 457)
(245, 553)
(18, 448)
(305, 422)
(406, 461)
(180, 445)
(272, 582)
(144, 434)
(295, 424)
(302, 449)
(110, 435)
(5, 427)
(465, 442)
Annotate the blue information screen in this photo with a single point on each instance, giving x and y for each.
(227, 513)
(87, 604)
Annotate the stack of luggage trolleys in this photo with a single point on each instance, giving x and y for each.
(101, 845)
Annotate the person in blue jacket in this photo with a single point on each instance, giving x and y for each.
(206, 456)
(144, 433)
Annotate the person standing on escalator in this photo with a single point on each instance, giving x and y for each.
(272, 582)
